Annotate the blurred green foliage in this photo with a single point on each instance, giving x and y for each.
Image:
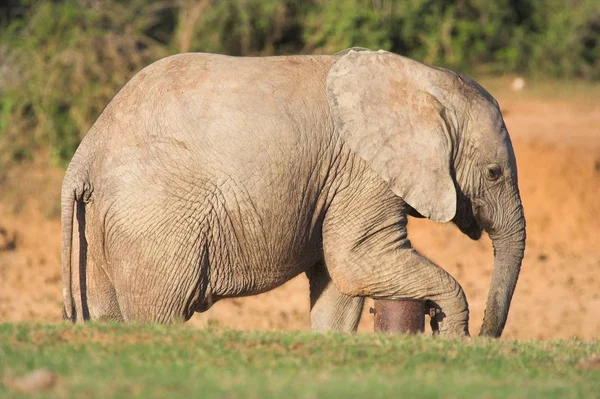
(62, 61)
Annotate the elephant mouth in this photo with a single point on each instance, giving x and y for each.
(467, 223)
(473, 231)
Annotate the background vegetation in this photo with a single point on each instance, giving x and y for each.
(104, 361)
(62, 61)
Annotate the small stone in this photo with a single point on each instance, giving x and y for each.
(517, 84)
(36, 380)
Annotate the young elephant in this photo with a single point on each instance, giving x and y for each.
(211, 177)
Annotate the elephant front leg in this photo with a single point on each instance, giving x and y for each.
(331, 310)
(422, 279)
(405, 274)
(367, 254)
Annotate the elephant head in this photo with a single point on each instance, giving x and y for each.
(439, 140)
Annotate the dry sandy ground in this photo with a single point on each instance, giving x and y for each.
(556, 135)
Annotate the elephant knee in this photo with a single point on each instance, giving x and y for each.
(351, 285)
(455, 294)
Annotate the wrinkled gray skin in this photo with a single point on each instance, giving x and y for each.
(211, 177)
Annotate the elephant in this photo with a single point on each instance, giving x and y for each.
(210, 176)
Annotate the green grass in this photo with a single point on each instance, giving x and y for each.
(164, 362)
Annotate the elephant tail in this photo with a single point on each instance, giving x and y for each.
(75, 193)
(67, 210)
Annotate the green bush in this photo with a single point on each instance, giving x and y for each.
(62, 61)
(70, 61)
(330, 26)
(247, 27)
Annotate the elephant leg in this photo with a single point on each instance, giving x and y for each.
(99, 299)
(401, 275)
(330, 310)
(101, 295)
(147, 294)
(367, 253)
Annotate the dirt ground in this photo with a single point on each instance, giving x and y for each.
(556, 135)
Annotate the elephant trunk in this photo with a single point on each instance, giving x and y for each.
(509, 248)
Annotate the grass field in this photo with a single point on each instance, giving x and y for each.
(163, 362)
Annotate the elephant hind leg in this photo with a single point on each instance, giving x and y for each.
(331, 310)
(100, 296)
(151, 294)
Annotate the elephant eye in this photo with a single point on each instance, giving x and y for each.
(493, 172)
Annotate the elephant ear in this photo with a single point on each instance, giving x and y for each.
(382, 111)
